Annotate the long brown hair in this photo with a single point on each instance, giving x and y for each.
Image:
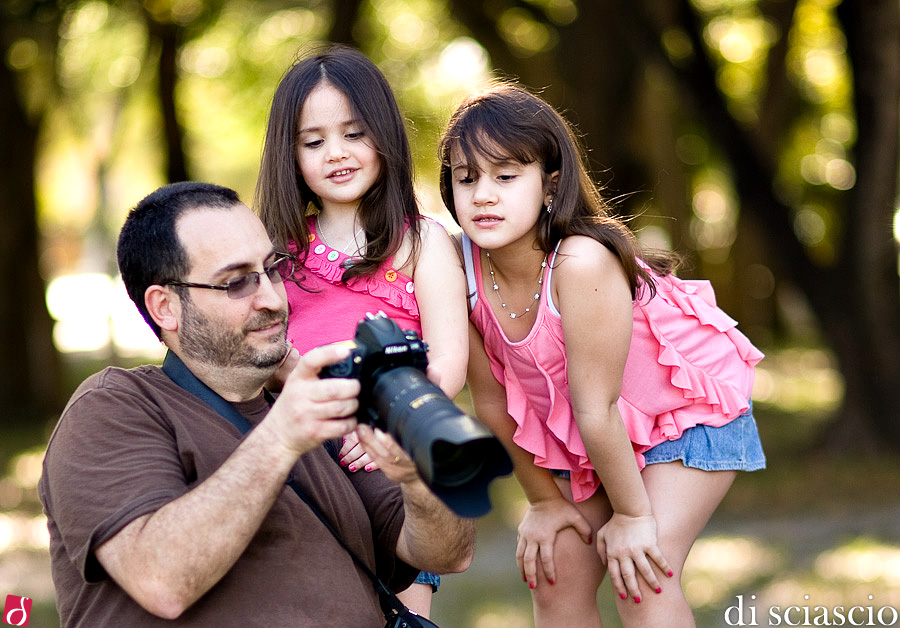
(284, 200)
(507, 121)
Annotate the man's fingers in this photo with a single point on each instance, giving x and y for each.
(379, 445)
(338, 409)
(338, 427)
(326, 390)
(315, 360)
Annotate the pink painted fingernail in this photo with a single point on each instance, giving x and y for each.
(670, 574)
(622, 595)
(659, 589)
(530, 585)
(368, 467)
(352, 467)
(524, 579)
(637, 600)
(549, 580)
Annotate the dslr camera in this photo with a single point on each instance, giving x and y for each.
(455, 455)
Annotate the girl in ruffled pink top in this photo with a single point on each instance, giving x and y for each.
(621, 392)
(335, 188)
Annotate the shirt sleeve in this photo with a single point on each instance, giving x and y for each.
(112, 459)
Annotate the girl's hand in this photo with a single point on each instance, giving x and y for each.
(624, 545)
(276, 382)
(354, 456)
(434, 375)
(537, 536)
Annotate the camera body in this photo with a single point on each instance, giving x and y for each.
(455, 455)
(378, 346)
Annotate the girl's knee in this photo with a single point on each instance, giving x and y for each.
(564, 606)
(574, 590)
(546, 595)
(668, 608)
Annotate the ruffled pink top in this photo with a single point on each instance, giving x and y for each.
(329, 310)
(688, 365)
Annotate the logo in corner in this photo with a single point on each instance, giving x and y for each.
(17, 610)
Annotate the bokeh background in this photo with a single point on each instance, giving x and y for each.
(757, 137)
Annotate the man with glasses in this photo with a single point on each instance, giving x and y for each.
(160, 510)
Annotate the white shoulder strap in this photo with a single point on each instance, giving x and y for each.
(470, 271)
(550, 303)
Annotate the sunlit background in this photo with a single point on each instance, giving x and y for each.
(100, 155)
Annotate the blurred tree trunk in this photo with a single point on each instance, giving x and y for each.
(596, 68)
(167, 37)
(864, 319)
(346, 13)
(29, 364)
(591, 75)
(855, 300)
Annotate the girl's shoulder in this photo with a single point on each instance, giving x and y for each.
(435, 243)
(430, 228)
(583, 269)
(432, 235)
(583, 253)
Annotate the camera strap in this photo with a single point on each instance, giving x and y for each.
(395, 611)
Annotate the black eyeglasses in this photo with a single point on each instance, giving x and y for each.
(245, 285)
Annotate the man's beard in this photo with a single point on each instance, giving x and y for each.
(208, 341)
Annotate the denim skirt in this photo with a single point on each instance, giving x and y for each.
(734, 446)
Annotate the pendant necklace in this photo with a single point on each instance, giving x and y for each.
(537, 293)
(350, 242)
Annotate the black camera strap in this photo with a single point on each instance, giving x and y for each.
(393, 608)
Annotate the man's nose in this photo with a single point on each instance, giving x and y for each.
(269, 295)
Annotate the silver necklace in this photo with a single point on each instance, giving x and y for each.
(537, 294)
(343, 250)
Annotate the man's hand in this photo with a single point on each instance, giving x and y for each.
(433, 537)
(310, 410)
(388, 455)
(167, 560)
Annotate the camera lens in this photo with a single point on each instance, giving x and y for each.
(453, 464)
(455, 454)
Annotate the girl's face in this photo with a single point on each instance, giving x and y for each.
(336, 159)
(498, 202)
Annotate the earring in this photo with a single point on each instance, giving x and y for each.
(549, 205)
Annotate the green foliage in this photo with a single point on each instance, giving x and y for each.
(104, 129)
(812, 154)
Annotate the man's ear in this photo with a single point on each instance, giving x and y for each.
(164, 306)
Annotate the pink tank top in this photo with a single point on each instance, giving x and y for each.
(329, 310)
(688, 365)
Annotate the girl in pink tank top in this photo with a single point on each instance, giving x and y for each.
(621, 392)
(335, 188)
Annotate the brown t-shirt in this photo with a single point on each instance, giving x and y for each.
(131, 441)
